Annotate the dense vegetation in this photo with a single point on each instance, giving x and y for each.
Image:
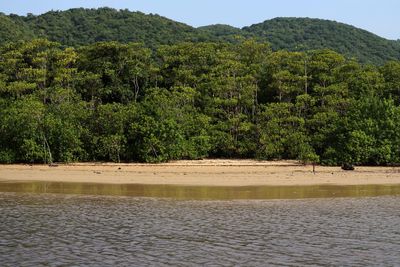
(78, 27)
(302, 34)
(124, 102)
(13, 30)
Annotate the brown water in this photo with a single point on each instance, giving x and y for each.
(73, 230)
(203, 192)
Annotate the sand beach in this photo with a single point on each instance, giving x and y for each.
(202, 173)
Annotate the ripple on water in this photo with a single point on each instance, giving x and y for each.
(59, 230)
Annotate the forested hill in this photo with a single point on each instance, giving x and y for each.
(14, 30)
(227, 33)
(302, 34)
(77, 27)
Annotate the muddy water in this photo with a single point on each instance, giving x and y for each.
(203, 192)
(74, 230)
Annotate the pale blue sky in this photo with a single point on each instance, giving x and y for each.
(380, 17)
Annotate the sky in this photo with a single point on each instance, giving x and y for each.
(380, 17)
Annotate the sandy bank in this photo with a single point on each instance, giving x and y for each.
(203, 172)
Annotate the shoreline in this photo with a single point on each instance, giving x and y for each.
(233, 173)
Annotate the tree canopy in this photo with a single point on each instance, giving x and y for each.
(112, 101)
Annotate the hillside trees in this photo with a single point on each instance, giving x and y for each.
(81, 27)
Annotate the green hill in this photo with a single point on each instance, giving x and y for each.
(223, 32)
(13, 29)
(299, 34)
(76, 27)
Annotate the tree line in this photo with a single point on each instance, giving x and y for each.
(124, 102)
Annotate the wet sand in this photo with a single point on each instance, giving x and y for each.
(202, 173)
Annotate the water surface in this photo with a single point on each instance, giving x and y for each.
(71, 230)
(204, 192)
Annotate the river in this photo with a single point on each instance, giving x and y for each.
(79, 230)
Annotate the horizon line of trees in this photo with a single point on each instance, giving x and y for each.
(110, 101)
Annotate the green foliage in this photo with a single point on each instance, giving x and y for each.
(282, 134)
(63, 131)
(169, 127)
(79, 27)
(371, 132)
(303, 34)
(391, 74)
(118, 102)
(7, 156)
(225, 33)
(114, 72)
(13, 28)
(107, 126)
(22, 134)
